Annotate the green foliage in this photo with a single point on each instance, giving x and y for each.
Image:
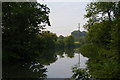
(102, 47)
(65, 42)
(21, 25)
(102, 63)
(99, 34)
(115, 40)
(89, 50)
(101, 11)
(69, 41)
(48, 40)
(105, 34)
(60, 42)
(23, 32)
(79, 73)
(78, 35)
(82, 40)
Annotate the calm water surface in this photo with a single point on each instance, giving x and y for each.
(51, 64)
(62, 68)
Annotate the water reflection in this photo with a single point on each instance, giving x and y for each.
(47, 57)
(55, 60)
(33, 69)
(101, 66)
(69, 52)
(62, 68)
(23, 70)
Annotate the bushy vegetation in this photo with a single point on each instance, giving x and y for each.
(102, 46)
(78, 35)
(21, 27)
(27, 46)
(24, 37)
(79, 73)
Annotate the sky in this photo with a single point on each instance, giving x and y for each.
(65, 16)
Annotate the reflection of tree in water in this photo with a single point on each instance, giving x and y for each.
(78, 72)
(103, 68)
(60, 53)
(47, 56)
(32, 69)
(69, 52)
(101, 64)
(23, 70)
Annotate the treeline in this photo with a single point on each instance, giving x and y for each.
(49, 40)
(65, 42)
(79, 38)
(78, 35)
(23, 34)
(103, 41)
(103, 26)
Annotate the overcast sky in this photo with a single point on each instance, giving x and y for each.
(65, 16)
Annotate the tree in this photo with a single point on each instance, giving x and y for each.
(69, 41)
(99, 34)
(48, 40)
(99, 11)
(60, 42)
(78, 35)
(101, 17)
(103, 48)
(21, 24)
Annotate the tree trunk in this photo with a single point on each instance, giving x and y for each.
(109, 15)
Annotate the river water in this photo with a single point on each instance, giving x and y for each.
(52, 64)
(62, 68)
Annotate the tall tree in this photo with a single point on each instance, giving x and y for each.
(21, 23)
(99, 11)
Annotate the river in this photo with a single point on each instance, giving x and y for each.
(62, 67)
(51, 64)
